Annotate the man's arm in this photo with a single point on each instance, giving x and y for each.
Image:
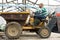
(44, 12)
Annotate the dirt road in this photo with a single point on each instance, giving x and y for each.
(33, 36)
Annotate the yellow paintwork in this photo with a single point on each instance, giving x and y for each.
(14, 12)
(27, 27)
(31, 20)
(31, 27)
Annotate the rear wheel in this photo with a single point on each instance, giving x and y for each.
(13, 30)
(44, 32)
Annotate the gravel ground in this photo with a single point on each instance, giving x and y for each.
(33, 36)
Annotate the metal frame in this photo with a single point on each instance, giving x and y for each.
(23, 1)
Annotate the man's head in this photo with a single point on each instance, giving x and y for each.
(41, 5)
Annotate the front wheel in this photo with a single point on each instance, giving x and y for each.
(13, 30)
(44, 32)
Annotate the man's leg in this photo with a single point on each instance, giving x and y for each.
(36, 20)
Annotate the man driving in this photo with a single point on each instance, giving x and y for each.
(41, 13)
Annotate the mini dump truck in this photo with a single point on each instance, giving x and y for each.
(15, 25)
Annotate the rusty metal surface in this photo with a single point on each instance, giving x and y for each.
(15, 16)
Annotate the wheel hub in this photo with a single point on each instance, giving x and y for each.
(12, 30)
(44, 33)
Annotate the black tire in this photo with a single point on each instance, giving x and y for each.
(44, 32)
(13, 30)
